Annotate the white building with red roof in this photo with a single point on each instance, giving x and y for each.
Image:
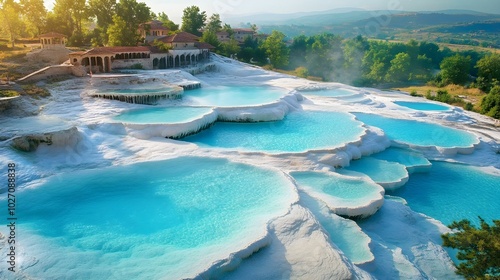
(183, 49)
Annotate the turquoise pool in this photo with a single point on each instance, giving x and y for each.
(148, 220)
(300, 131)
(420, 133)
(167, 115)
(451, 192)
(346, 191)
(422, 106)
(388, 174)
(235, 96)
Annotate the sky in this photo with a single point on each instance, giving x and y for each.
(174, 8)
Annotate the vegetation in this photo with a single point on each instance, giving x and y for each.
(193, 20)
(479, 248)
(34, 90)
(8, 93)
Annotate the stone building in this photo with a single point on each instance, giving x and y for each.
(52, 40)
(182, 49)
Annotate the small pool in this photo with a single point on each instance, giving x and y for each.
(420, 133)
(342, 194)
(452, 192)
(388, 174)
(344, 233)
(422, 106)
(300, 131)
(169, 115)
(233, 96)
(336, 92)
(414, 161)
(149, 220)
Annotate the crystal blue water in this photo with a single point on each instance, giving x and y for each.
(337, 92)
(380, 171)
(348, 191)
(235, 96)
(167, 115)
(344, 233)
(452, 192)
(422, 106)
(148, 220)
(300, 131)
(419, 133)
(414, 161)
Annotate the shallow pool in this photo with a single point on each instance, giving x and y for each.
(422, 106)
(233, 96)
(167, 115)
(150, 220)
(420, 133)
(346, 191)
(300, 131)
(388, 174)
(452, 192)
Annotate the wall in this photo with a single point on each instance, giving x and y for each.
(48, 72)
(128, 63)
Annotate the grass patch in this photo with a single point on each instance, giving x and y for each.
(461, 95)
(8, 93)
(33, 91)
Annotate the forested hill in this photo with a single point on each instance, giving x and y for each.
(442, 27)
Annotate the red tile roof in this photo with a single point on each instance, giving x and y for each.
(181, 37)
(113, 50)
(203, 45)
(52, 35)
(154, 25)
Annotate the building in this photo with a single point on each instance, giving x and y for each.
(152, 30)
(53, 40)
(239, 34)
(183, 49)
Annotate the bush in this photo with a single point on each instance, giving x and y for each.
(479, 248)
(137, 66)
(302, 72)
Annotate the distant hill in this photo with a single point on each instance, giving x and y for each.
(278, 19)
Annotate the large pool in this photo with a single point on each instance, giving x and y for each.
(225, 96)
(300, 131)
(422, 106)
(420, 133)
(168, 115)
(150, 220)
(452, 192)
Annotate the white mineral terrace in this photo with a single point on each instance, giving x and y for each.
(309, 239)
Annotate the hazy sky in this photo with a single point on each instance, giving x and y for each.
(174, 8)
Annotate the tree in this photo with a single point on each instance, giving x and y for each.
(400, 68)
(102, 11)
(211, 38)
(479, 248)
(276, 49)
(129, 14)
(491, 103)
(230, 48)
(455, 69)
(119, 34)
(489, 70)
(10, 19)
(214, 23)
(35, 15)
(167, 22)
(193, 20)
